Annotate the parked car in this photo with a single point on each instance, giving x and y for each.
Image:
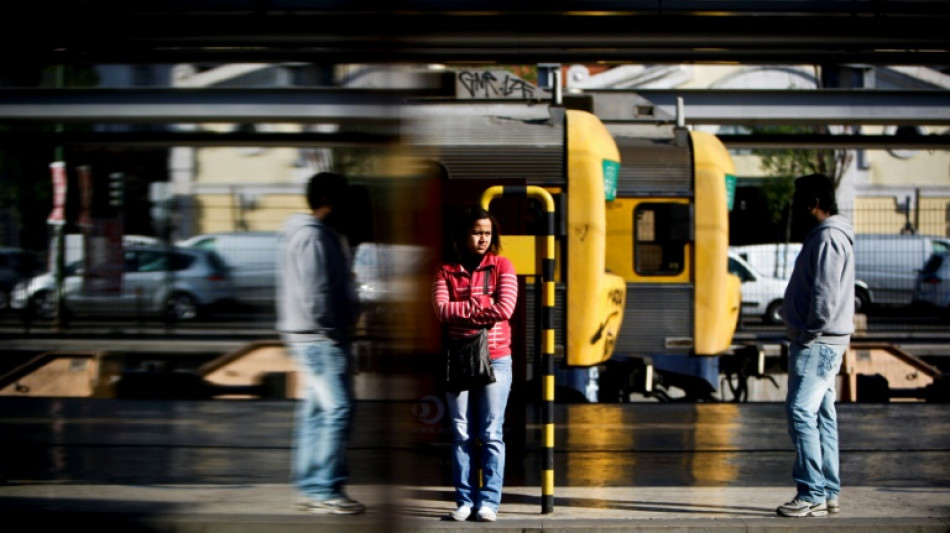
(389, 273)
(15, 265)
(75, 244)
(776, 260)
(890, 264)
(779, 258)
(761, 295)
(933, 283)
(178, 283)
(251, 258)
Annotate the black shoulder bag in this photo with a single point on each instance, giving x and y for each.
(467, 361)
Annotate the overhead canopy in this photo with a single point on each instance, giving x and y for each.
(420, 31)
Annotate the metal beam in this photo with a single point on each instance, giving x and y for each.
(292, 105)
(754, 107)
(164, 139)
(841, 142)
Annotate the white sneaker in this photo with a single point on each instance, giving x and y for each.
(800, 508)
(338, 505)
(486, 515)
(833, 504)
(461, 514)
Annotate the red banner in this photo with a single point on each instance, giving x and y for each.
(58, 214)
(85, 195)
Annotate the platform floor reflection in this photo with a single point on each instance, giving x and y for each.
(702, 445)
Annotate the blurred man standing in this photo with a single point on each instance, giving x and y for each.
(316, 307)
(819, 320)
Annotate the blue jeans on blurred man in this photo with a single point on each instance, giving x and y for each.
(322, 427)
(812, 421)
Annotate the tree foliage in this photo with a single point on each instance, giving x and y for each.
(784, 165)
(794, 162)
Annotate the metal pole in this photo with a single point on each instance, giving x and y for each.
(917, 210)
(680, 114)
(547, 332)
(59, 267)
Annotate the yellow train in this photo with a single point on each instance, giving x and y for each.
(643, 297)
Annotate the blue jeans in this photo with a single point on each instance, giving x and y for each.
(812, 422)
(484, 416)
(323, 416)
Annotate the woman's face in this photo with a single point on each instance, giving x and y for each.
(479, 237)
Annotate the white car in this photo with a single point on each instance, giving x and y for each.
(761, 295)
(390, 273)
(776, 260)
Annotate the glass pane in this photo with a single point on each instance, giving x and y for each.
(659, 246)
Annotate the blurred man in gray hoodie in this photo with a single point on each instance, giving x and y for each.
(316, 307)
(819, 320)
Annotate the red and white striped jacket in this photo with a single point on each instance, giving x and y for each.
(456, 297)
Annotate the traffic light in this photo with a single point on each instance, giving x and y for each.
(116, 191)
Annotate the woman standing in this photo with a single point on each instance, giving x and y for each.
(463, 306)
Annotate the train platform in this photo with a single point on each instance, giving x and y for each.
(144, 466)
(196, 508)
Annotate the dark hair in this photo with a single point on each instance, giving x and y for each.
(463, 224)
(819, 186)
(326, 188)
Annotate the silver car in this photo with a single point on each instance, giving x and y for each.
(933, 283)
(173, 282)
(251, 258)
(890, 264)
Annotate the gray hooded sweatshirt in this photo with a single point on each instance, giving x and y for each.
(316, 297)
(819, 298)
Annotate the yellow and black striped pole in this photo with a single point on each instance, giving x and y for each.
(547, 331)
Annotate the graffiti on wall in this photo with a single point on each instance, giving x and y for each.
(494, 84)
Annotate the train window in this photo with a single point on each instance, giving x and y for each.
(661, 232)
